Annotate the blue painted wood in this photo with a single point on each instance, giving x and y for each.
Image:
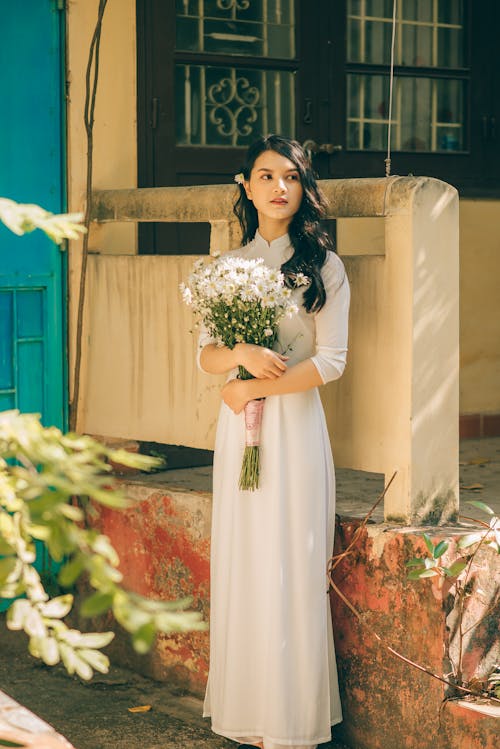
(31, 171)
(32, 285)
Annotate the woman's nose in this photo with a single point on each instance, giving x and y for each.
(280, 185)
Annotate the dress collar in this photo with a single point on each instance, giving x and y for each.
(277, 245)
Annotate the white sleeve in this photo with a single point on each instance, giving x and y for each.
(332, 321)
(204, 338)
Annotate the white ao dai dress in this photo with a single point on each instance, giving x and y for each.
(273, 676)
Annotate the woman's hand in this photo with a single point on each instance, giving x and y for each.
(261, 362)
(235, 395)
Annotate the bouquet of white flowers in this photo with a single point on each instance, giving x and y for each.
(242, 301)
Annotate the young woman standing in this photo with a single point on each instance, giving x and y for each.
(273, 679)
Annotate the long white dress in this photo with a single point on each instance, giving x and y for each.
(273, 676)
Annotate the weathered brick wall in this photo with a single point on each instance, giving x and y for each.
(163, 543)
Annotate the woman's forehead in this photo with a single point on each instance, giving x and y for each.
(274, 162)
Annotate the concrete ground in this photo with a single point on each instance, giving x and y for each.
(96, 716)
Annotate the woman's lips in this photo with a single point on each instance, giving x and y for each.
(279, 201)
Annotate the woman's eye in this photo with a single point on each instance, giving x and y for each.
(293, 177)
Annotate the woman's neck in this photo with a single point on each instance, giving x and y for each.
(272, 229)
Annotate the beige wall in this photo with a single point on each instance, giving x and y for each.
(115, 128)
(115, 166)
(395, 408)
(479, 295)
(480, 306)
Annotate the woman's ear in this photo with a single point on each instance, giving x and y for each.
(246, 187)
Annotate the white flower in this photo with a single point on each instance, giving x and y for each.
(302, 280)
(239, 178)
(238, 300)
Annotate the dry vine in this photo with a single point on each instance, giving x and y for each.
(335, 560)
(90, 97)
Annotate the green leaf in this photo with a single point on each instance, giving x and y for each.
(34, 626)
(71, 512)
(34, 647)
(96, 659)
(49, 651)
(481, 506)
(68, 657)
(96, 604)
(57, 608)
(71, 571)
(143, 638)
(5, 548)
(440, 549)
(428, 573)
(469, 540)
(102, 546)
(456, 568)
(428, 542)
(7, 568)
(95, 639)
(416, 574)
(180, 621)
(18, 613)
(82, 668)
(415, 562)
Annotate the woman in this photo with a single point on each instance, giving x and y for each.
(273, 679)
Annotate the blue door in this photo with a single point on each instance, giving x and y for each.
(31, 171)
(32, 268)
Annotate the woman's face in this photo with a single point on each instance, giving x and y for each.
(274, 188)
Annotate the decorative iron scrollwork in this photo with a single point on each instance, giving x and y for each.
(232, 104)
(233, 4)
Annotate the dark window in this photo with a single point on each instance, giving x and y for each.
(213, 75)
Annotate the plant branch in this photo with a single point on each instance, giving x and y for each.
(335, 560)
(394, 652)
(90, 98)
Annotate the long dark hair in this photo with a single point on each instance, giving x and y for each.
(310, 242)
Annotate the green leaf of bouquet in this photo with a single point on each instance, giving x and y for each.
(415, 562)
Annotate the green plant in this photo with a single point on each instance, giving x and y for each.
(459, 576)
(42, 471)
(22, 218)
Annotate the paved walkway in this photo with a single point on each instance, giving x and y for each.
(96, 716)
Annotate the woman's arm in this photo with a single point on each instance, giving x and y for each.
(329, 360)
(259, 361)
(302, 376)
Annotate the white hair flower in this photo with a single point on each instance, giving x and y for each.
(239, 178)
